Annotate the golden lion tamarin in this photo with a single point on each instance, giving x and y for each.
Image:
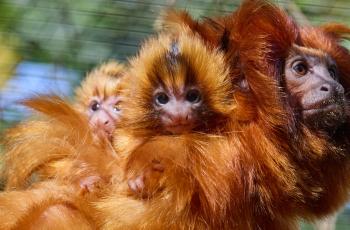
(67, 145)
(87, 165)
(177, 103)
(200, 86)
(315, 114)
(328, 119)
(97, 99)
(247, 160)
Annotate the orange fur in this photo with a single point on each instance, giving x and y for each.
(313, 156)
(65, 152)
(22, 140)
(43, 207)
(261, 180)
(254, 166)
(329, 172)
(327, 39)
(193, 191)
(84, 158)
(295, 166)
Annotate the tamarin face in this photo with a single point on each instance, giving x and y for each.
(312, 80)
(324, 76)
(99, 97)
(178, 107)
(177, 85)
(104, 112)
(178, 110)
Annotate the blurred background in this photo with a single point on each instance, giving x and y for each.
(47, 46)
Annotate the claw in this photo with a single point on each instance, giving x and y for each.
(88, 184)
(137, 184)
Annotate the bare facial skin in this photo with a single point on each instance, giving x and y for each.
(311, 78)
(104, 113)
(178, 109)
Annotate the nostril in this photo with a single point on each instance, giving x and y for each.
(324, 88)
(106, 122)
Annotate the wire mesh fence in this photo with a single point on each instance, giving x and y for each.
(47, 46)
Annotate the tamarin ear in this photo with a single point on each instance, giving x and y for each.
(174, 20)
(336, 30)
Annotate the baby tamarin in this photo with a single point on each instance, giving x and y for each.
(72, 148)
(177, 103)
(97, 99)
(61, 201)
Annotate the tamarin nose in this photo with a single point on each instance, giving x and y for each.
(328, 90)
(325, 92)
(325, 88)
(178, 119)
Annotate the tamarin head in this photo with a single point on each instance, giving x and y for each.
(312, 80)
(177, 85)
(99, 96)
(317, 76)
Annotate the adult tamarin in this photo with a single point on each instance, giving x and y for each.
(326, 114)
(265, 47)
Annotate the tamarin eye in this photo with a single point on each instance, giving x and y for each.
(193, 96)
(95, 106)
(300, 68)
(333, 72)
(162, 98)
(116, 107)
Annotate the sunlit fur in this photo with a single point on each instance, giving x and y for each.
(47, 205)
(65, 135)
(194, 190)
(23, 152)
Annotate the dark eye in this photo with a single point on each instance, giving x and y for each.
(333, 72)
(161, 98)
(193, 96)
(95, 106)
(117, 107)
(300, 68)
